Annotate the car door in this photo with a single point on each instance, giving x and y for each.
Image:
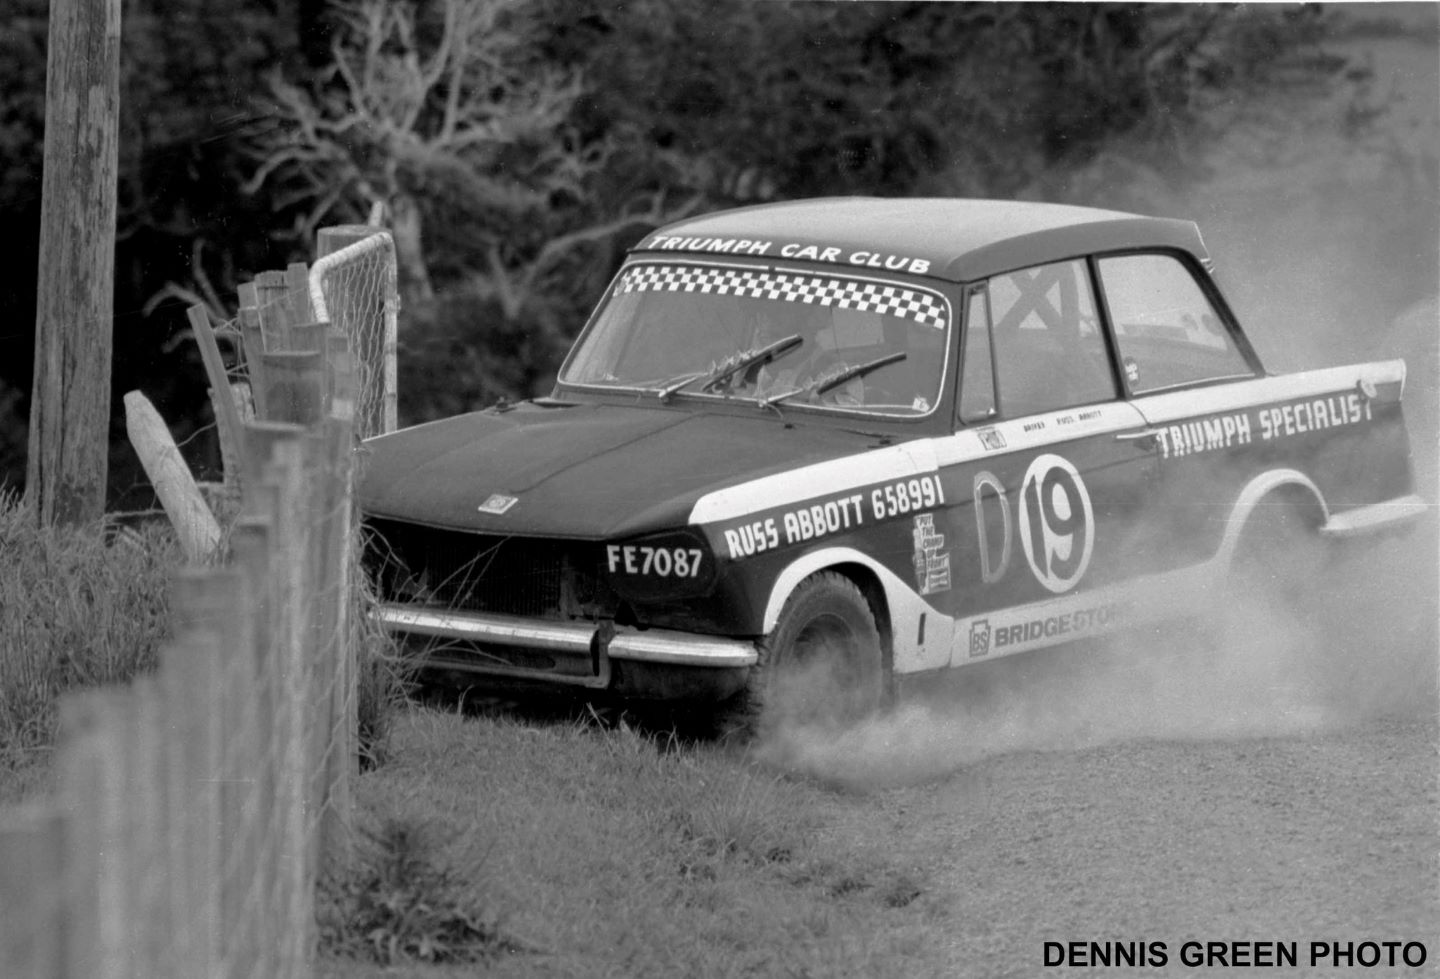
(1181, 364)
(1049, 470)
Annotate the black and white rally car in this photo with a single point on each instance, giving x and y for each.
(880, 437)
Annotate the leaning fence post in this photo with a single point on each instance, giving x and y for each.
(252, 343)
(194, 523)
(222, 398)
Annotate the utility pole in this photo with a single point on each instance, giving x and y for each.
(70, 400)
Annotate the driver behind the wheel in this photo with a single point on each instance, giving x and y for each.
(916, 379)
(815, 357)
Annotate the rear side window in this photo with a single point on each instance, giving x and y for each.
(1049, 350)
(1167, 332)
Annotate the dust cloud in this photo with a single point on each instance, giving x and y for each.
(1327, 263)
(1359, 646)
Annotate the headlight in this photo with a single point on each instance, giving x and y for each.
(676, 564)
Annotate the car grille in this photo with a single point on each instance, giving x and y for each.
(525, 576)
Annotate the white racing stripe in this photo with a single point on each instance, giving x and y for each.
(928, 455)
(832, 476)
(1083, 615)
(1037, 431)
(1261, 391)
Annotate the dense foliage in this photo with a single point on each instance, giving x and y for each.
(518, 146)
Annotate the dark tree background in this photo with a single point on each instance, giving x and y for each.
(519, 146)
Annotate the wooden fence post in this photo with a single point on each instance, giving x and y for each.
(249, 909)
(32, 913)
(289, 473)
(210, 681)
(222, 398)
(91, 776)
(295, 387)
(336, 555)
(252, 343)
(194, 523)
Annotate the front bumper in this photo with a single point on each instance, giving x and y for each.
(558, 652)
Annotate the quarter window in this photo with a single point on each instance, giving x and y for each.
(1167, 332)
(1049, 350)
(977, 386)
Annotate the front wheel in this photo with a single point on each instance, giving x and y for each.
(821, 665)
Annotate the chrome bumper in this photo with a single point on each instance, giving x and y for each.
(568, 638)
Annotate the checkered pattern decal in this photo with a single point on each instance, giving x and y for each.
(870, 297)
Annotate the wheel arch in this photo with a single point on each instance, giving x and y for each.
(897, 608)
(1290, 487)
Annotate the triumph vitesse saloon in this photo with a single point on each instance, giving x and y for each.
(867, 440)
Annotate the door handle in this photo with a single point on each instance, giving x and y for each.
(1144, 433)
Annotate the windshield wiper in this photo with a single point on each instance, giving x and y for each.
(670, 387)
(732, 365)
(828, 381)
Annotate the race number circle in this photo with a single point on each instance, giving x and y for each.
(1057, 522)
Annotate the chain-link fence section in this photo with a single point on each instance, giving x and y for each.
(195, 810)
(353, 286)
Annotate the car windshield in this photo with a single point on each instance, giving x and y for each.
(712, 332)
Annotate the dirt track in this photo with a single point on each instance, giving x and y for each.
(1280, 785)
(1299, 839)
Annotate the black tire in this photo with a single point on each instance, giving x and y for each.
(1279, 554)
(820, 666)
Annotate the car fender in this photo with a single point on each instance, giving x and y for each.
(1249, 498)
(914, 648)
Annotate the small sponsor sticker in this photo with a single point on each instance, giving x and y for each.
(497, 503)
(991, 438)
(932, 566)
(979, 638)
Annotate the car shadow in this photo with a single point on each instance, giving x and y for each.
(672, 726)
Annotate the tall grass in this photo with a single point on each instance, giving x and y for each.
(79, 607)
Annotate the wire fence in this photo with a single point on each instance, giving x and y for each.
(194, 810)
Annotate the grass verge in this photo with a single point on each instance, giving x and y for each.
(571, 849)
(79, 607)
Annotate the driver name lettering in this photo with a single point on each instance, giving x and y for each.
(795, 526)
(1279, 421)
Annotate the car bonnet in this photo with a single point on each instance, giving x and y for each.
(586, 471)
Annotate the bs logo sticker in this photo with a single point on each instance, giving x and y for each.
(980, 638)
(1057, 522)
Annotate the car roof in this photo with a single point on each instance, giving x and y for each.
(959, 240)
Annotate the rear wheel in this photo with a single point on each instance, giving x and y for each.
(1280, 554)
(821, 665)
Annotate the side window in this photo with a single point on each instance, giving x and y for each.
(1049, 350)
(977, 383)
(1166, 331)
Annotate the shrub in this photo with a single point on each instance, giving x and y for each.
(399, 902)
